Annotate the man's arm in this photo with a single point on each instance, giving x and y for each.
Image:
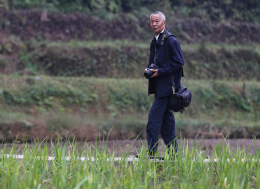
(177, 60)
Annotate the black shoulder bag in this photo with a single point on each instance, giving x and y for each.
(180, 99)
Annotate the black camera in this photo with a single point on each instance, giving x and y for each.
(148, 72)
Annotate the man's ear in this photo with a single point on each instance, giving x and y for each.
(164, 22)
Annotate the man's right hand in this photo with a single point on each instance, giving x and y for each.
(145, 69)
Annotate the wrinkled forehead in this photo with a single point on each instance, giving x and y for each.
(156, 17)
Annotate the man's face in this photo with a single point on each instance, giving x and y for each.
(157, 24)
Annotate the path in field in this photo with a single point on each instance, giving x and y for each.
(121, 146)
(115, 159)
(203, 144)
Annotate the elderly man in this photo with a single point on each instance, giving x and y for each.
(165, 52)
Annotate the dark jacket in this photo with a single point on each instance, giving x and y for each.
(162, 84)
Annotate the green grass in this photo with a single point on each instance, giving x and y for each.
(103, 43)
(187, 170)
(63, 103)
(212, 98)
(123, 59)
(141, 44)
(145, 45)
(127, 59)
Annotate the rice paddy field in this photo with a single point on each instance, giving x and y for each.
(67, 74)
(69, 164)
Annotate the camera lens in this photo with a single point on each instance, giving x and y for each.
(148, 74)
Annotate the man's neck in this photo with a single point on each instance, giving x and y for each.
(157, 36)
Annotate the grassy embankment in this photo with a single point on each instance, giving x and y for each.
(64, 104)
(225, 90)
(222, 78)
(123, 59)
(237, 169)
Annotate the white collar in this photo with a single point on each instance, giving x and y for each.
(156, 37)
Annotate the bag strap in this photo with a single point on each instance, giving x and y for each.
(168, 58)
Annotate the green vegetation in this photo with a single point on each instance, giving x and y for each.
(26, 25)
(214, 10)
(123, 59)
(237, 169)
(47, 56)
(59, 81)
(66, 103)
(129, 95)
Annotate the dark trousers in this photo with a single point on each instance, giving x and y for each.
(161, 122)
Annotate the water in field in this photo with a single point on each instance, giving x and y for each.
(119, 147)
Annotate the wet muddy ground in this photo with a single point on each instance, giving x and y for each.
(132, 147)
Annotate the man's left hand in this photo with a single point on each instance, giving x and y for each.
(155, 73)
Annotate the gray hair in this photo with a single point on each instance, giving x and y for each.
(158, 12)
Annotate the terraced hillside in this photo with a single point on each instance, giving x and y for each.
(68, 76)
